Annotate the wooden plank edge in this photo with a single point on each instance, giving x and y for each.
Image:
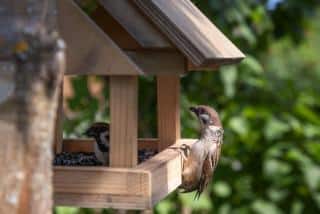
(102, 201)
(71, 188)
(166, 170)
(166, 155)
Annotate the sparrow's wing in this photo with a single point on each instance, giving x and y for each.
(209, 165)
(205, 176)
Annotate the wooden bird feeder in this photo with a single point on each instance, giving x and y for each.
(124, 39)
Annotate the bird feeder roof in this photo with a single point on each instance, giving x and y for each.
(142, 37)
(191, 31)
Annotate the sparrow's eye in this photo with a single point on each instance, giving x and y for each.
(200, 111)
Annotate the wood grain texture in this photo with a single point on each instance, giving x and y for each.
(191, 31)
(86, 145)
(136, 24)
(166, 170)
(91, 51)
(100, 187)
(159, 62)
(100, 180)
(113, 28)
(168, 103)
(102, 201)
(124, 121)
(192, 67)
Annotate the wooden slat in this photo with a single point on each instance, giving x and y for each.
(100, 180)
(78, 145)
(191, 31)
(90, 50)
(86, 145)
(159, 62)
(166, 170)
(124, 122)
(114, 30)
(192, 67)
(168, 101)
(101, 187)
(148, 143)
(102, 201)
(136, 24)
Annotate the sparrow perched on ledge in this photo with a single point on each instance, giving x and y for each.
(201, 159)
(100, 132)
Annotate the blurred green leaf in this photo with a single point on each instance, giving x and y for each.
(239, 125)
(275, 128)
(221, 189)
(275, 169)
(66, 210)
(203, 203)
(252, 64)
(264, 207)
(229, 77)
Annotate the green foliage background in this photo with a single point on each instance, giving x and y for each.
(270, 106)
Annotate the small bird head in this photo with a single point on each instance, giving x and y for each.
(97, 129)
(207, 116)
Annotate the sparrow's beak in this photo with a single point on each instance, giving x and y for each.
(194, 110)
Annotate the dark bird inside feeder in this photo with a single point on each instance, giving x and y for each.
(100, 132)
(201, 159)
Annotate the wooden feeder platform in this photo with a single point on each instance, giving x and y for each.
(140, 187)
(161, 38)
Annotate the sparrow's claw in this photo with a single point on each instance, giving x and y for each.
(185, 151)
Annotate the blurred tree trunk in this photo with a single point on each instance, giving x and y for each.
(31, 69)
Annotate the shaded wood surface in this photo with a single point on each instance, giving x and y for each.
(168, 103)
(86, 145)
(91, 51)
(136, 24)
(159, 62)
(114, 29)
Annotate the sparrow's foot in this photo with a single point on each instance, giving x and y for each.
(185, 151)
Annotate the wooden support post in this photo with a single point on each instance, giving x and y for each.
(58, 137)
(124, 113)
(168, 92)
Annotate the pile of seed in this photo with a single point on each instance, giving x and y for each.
(89, 159)
(145, 154)
(76, 159)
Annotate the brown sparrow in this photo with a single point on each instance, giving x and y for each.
(201, 159)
